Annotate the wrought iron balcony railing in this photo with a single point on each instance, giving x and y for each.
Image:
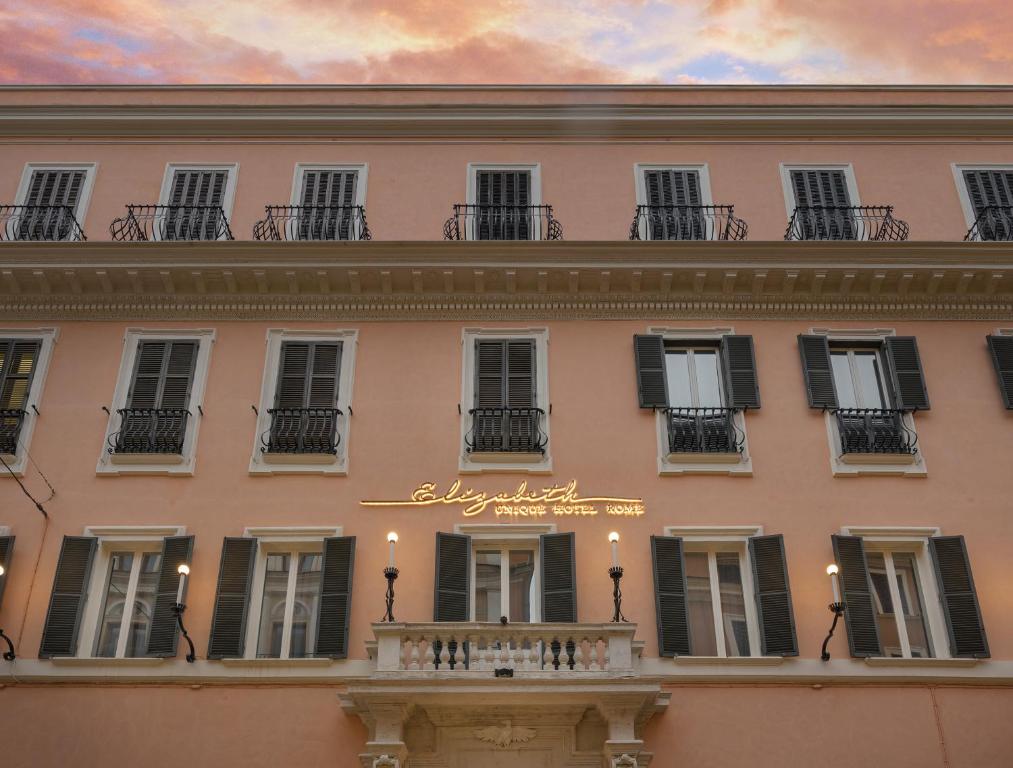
(865, 222)
(703, 430)
(506, 430)
(687, 222)
(171, 222)
(874, 430)
(526, 650)
(502, 222)
(313, 222)
(39, 222)
(150, 430)
(995, 222)
(11, 420)
(302, 430)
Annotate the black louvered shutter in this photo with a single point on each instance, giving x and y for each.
(503, 198)
(1001, 350)
(738, 363)
(232, 598)
(66, 603)
(906, 373)
(308, 375)
(671, 194)
(196, 199)
(819, 190)
(773, 596)
(335, 597)
(17, 367)
(6, 550)
(670, 603)
(327, 200)
(817, 371)
(164, 634)
(163, 374)
(857, 594)
(452, 587)
(649, 361)
(559, 577)
(958, 596)
(990, 188)
(505, 374)
(51, 188)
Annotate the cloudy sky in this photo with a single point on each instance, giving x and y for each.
(498, 41)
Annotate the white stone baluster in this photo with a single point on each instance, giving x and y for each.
(607, 656)
(429, 662)
(578, 655)
(517, 660)
(547, 655)
(445, 655)
(489, 654)
(413, 654)
(595, 665)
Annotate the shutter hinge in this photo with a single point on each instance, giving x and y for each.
(201, 411)
(36, 410)
(350, 411)
(106, 409)
(255, 409)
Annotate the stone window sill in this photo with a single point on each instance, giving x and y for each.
(731, 661)
(276, 663)
(95, 661)
(890, 661)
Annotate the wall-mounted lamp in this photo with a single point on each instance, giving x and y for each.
(183, 570)
(9, 654)
(390, 573)
(836, 607)
(616, 574)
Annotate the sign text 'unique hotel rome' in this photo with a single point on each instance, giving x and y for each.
(558, 500)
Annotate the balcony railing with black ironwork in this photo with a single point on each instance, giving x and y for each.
(995, 222)
(687, 222)
(11, 420)
(506, 430)
(171, 222)
(313, 222)
(703, 430)
(39, 222)
(150, 430)
(302, 431)
(874, 430)
(502, 222)
(839, 222)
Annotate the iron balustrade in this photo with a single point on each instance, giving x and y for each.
(145, 223)
(502, 222)
(11, 420)
(703, 430)
(150, 430)
(687, 222)
(313, 222)
(39, 222)
(840, 222)
(874, 430)
(506, 430)
(995, 222)
(302, 430)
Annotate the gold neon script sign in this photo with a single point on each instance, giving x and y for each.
(524, 502)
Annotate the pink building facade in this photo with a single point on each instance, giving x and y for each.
(753, 332)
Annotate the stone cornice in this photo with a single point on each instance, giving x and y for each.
(460, 280)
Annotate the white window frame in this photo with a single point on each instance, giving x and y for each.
(228, 196)
(962, 193)
(508, 462)
(90, 171)
(360, 185)
(914, 540)
(261, 463)
(712, 539)
(47, 338)
(278, 540)
(471, 183)
(506, 537)
(733, 464)
(115, 464)
(115, 538)
(789, 192)
(855, 465)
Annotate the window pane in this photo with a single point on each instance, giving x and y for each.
(522, 572)
(272, 609)
(677, 370)
(701, 611)
(120, 564)
(144, 604)
(733, 604)
(307, 605)
(842, 380)
(868, 369)
(889, 637)
(708, 379)
(911, 604)
(487, 586)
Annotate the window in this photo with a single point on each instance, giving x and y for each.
(128, 604)
(694, 379)
(290, 609)
(157, 403)
(24, 359)
(197, 203)
(822, 202)
(52, 201)
(330, 201)
(674, 203)
(303, 423)
(717, 605)
(899, 615)
(987, 196)
(858, 377)
(503, 203)
(505, 583)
